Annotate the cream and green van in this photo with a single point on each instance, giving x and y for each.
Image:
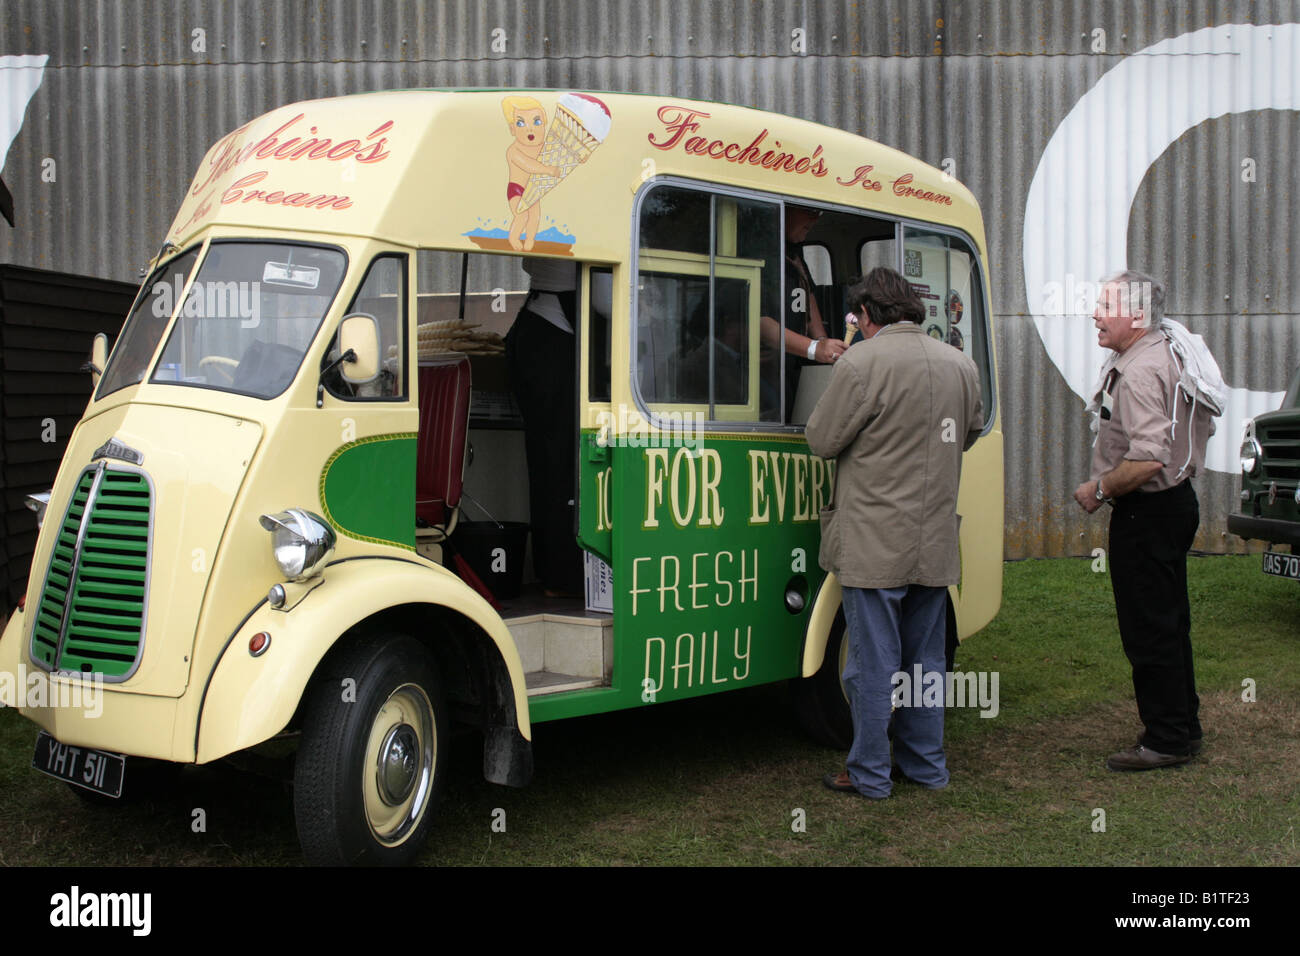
(251, 534)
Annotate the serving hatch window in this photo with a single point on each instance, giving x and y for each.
(704, 263)
(944, 271)
(249, 316)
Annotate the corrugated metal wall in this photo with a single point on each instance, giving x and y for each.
(134, 92)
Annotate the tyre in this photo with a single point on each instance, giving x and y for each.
(372, 757)
(820, 704)
(951, 642)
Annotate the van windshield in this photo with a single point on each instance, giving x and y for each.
(250, 314)
(146, 324)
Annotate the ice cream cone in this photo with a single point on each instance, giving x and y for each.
(579, 125)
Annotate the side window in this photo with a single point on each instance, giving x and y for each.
(707, 264)
(383, 295)
(945, 273)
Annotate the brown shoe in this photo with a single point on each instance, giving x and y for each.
(1144, 758)
(841, 783)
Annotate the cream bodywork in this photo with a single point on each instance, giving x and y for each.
(195, 462)
(247, 699)
(249, 695)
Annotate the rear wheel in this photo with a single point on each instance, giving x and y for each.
(371, 761)
(821, 703)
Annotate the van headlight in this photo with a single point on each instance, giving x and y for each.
(1250, 455)
(301, 542)
(38, 503)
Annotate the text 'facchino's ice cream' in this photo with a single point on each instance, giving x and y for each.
(580, 124)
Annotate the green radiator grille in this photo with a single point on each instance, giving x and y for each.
(91, 614)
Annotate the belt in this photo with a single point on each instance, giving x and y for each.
(1181, 493)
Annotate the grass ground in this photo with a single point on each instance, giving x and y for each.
(722, 781)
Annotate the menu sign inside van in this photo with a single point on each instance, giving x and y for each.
(684, 130)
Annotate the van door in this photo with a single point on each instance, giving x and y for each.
(715, 505)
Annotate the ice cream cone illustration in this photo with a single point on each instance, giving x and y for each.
(580, 124)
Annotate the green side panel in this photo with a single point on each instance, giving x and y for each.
(595, 499)
(708, 536)
(367, 489)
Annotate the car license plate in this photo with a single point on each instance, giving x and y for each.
(1283, 565)
(91, 769)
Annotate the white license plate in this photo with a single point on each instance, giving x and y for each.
(92, 769)
(1282, 565)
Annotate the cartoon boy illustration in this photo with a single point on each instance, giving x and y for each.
(527, 121)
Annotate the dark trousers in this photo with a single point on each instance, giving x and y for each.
(1150, 535)
(543, 375)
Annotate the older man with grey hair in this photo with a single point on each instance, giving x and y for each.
(1150, 442)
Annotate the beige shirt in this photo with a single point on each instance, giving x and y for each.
(1139, 401)
(900, 409)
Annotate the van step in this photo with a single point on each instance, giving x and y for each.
(549, 682)
(578, 645)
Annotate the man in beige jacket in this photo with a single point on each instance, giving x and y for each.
(900, 409)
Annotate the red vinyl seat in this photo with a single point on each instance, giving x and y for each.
(444, 424)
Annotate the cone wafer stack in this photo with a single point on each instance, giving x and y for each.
(454, 336)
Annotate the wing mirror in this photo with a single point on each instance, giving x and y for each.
(359, 334)
(98, 358)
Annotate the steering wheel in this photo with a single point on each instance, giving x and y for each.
(219, 363)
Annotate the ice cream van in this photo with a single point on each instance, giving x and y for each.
(253, 536)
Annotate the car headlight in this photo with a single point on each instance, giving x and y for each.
(1250, 455)
(38, 503)
(301, 542)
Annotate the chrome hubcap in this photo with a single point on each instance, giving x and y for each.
(399, 759)
(400, 756)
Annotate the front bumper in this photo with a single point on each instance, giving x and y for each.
(1273, 530)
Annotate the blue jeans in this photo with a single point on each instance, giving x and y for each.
(892, 630)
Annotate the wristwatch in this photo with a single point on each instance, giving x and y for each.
(1103, 498)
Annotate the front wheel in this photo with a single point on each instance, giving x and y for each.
(371, 761)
